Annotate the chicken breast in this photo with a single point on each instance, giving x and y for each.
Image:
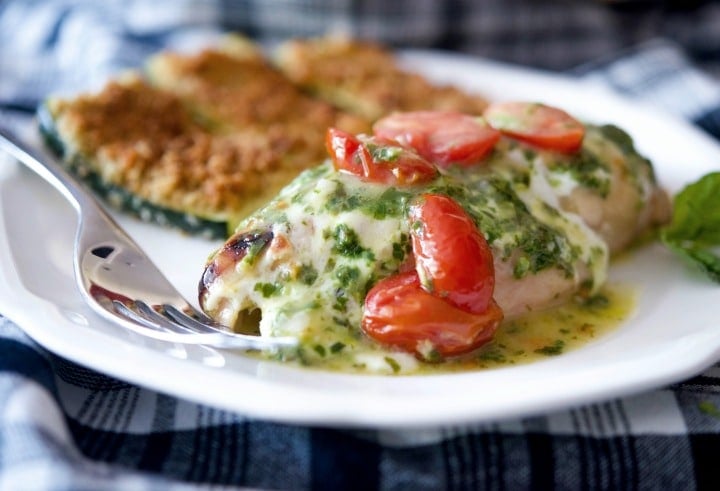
(612, 191)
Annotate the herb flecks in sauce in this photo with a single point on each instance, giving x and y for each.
(532, 338)
(391, 203)
(268, 289)
(307, 274)
(384, 153)
(347, 243)
(340, 201)
(553, 349)
(587, 169)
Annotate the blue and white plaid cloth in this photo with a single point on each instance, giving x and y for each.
(65, 427)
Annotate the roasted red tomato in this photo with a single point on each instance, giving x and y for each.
(545, 126)
(377, 159)
(452, 258)
(441, 137)
(399, 312)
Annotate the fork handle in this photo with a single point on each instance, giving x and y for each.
(47, 167)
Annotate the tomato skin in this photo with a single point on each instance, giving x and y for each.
(444, 306)
(538, 124)
(452, 258)
(342, 147)
(399, 312)
(442, 137)
(378, 160)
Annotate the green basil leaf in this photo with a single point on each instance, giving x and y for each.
(695, 227)
(708, 262)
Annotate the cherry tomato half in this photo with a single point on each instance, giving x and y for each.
(377, 159)
(452, 258)
(398, 312)
(441, 137)
(545, 126)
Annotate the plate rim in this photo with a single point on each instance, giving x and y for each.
(33, 313)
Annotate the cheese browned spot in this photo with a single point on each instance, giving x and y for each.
(366, 79)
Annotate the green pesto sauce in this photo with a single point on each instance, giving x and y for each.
(587, 169)
(620, 138)
(551, 333)
(510, 224)
(347, 243)
(637, 164)
(391, 203)
(490, 200)
(384, 153)
(307, 274)
(536, 336)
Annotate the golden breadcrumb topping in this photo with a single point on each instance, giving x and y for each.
(365, 78)
(143, 139)
(237, 93)
(127, 110)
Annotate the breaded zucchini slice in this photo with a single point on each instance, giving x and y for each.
(366, 78)
(232, 87)
(140, 148)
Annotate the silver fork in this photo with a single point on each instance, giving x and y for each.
(118, 280)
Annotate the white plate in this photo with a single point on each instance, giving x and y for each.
(673, 334)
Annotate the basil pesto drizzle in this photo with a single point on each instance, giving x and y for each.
(488, 196)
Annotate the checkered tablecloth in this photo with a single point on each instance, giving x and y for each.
(63, 426)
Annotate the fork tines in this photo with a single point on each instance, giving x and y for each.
(194, 327)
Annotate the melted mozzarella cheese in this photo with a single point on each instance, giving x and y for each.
(542, 198)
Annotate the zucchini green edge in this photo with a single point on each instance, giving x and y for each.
(119, 197)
